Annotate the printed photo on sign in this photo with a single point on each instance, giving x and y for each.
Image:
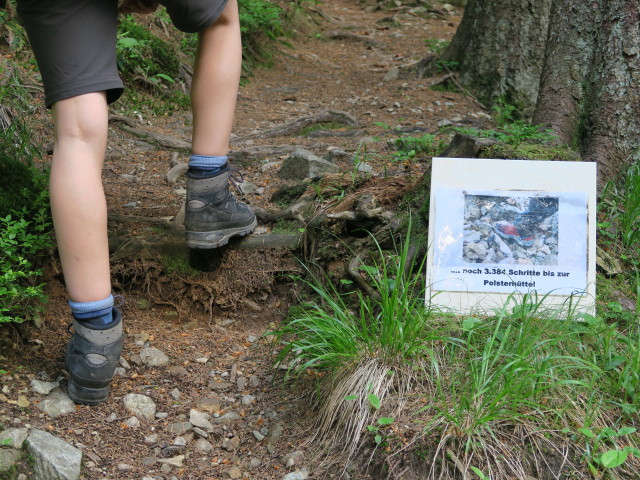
(514, 230)
(504, 241)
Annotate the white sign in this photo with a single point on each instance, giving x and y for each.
(499, 227)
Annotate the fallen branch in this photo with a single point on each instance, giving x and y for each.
(166, 141)
(354, 271)
(294, 127)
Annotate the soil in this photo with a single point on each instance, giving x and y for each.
(211, 324)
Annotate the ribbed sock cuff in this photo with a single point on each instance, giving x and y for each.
(206, 162)
(99, 309)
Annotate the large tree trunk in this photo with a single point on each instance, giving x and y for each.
(577, 61)
(499, 50)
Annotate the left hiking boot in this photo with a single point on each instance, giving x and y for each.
(213, 216)
(92, 357)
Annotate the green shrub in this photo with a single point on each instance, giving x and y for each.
(261, 24)
(21, 241)
(142, 53)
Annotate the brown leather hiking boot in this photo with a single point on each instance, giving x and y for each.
(212, 213)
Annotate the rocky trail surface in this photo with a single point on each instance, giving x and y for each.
(196, 396)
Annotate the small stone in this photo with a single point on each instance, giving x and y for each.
(298, 475)
(275, 432)
(132, 422)
(120, 372)
(255, 462)
(200, 432)
(203, 446)
(252, 338)
(258, 436)
(57, 404)
(162, 414)
(227, 418)
(199, 419)
(148, 461)
(153, 438)
(202, 359)
(254, 381)
(14, 437)
(140, 405)
(43, 388)
(176, 461)
(23, 402)
(130, 205)
(247, 400)
(125, 466)
(233, 472)
(123, 363)
(175, 394)
(220, 386)
(241, 383)
(165, 468)
(179, 428)
(178, 371)
(153, 357)
(231, 444)
(293, 458)
(179, 441)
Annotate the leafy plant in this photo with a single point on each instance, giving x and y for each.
(436, 45)
(409, 148)
(605, 438)
(20, 241)
(513, 133)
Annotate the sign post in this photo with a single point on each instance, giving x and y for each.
(504, 227)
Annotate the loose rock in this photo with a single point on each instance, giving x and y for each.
(140, 405)
(200, 419)
(153, 357)
(53, 458)
(43, 388)
(57, 404)
(14, 437)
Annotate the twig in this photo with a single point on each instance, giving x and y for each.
(353, 267)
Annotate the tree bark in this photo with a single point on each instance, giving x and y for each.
(499, 49)
(577, 61)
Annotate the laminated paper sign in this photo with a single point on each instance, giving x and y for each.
(499, 227)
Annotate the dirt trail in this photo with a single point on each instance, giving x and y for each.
(218, 362)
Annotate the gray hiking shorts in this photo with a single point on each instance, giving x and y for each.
(74, 41)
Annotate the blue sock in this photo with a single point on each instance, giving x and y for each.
(202, 166)
(96, 315)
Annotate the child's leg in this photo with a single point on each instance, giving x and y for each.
(212, 214)
(78, 203)
(216, 78)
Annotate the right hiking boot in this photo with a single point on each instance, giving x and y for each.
(213, 216)
(92, 357)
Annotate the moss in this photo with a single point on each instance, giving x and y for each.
(530, 151)
(179, 265)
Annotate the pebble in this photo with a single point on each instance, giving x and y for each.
(175, 394)
(178, 371)
(148, 461)
(176, 461)
(248, 400)
(57, 404)
(254, 381)
(255, 462)
(203, 446)
(258, 436)
(124, 364)
(153, 438)
(199, 419)
(140, 405)
(120, 372)
(153, 357)
(125, 466)
(241, 383)
(132, 422)
(179, 441)
(227, 418)
(179, 428)
(202, 359)
(43, 388)
(252, 338)
(293, 458)
(161, 415)
(233, 472)
(200, 432)
(298, 475)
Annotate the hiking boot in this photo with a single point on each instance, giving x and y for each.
(212, 214)
(511, 232)
(92, 357)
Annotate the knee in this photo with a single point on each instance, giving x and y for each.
(83, 118)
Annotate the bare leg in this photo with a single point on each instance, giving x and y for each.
(215, 83)
(77, 198)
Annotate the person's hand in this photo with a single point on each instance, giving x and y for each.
(138, 6)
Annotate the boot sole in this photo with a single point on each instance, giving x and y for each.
(218, 238)
(85, 395)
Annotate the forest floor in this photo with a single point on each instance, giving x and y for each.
(211, 326)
